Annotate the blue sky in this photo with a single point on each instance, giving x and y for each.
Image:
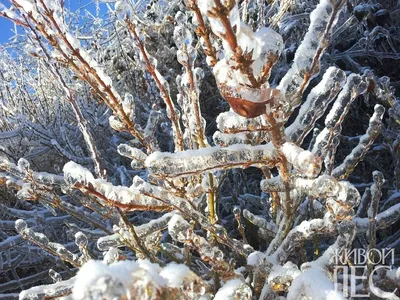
(7, 27)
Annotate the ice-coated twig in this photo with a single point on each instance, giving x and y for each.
(186, 209)
(303, 161)
(358, 153)
(220, 14)
(230, 122)
(364, 203)
(70, 156)
(190, 162)
(138, 157)
(341, 195)
(39, 177)
(123, 197)
(383, 219)
(261, 222)
(82, 122)
(14, 263)
(346, 235)
(9, 134)
(114, 241)
(376, 193)
(105, 243)
(316, 104)
(151, 127)
(189, 87)
(87, 135)
(320, 269)
(307, 58)
(81, 241)
(181, 231)
(132, 240)
(161, 84)
(321, 187)
(189, 83)
(26, 281)
(43, 242)
(204, 33)
(92, 234)
(306, 230)
(43, 15)
(161, 195)
(81, 214)
(355, 86)
(50, 291)
(11, 242)
(251, 138)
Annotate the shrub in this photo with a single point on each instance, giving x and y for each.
(165, 191)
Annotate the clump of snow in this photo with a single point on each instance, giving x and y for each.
(233, 289)
(175, 274)
(256, 258)
(313, 284)
(285, 273)
(74, 172)
(96, 276)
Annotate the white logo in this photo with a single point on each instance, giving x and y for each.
(358, 267)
